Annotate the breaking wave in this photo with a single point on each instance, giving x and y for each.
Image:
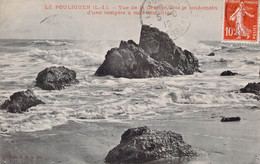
(208, 47)
(50, 43)
(121, 99)
(68, 57)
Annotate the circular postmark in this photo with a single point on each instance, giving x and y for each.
(170, 16)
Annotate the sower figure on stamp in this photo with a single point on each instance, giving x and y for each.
(238, 16)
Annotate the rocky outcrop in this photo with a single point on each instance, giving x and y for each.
(55, 78)
(142, 144)
(155, 56)
(251, 88)
(20, 101)
(131, 61)
(228, 73)
(230, 119)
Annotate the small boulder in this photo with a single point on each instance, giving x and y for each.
(211, 54)
(251, 88)
(142, 144)
(228, 73)
(229, 119)
(55, 78)
(20, 101)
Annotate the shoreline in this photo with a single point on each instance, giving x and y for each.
(89, 142)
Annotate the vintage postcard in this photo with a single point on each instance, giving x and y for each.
(129, 81)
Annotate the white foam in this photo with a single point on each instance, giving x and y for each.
(68, 57)
(120, 99)
(50, 43)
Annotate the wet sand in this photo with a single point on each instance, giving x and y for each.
(89, 142)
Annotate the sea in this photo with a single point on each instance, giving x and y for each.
(174, 103)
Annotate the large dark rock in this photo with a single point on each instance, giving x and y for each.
(142, 144)
(20, 101)
(228, 73)
(156, 56)
(251, 88)
(55, 78)
(131, 61)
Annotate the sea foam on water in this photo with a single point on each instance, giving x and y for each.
(120, 99)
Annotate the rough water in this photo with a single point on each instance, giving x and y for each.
(203, 96)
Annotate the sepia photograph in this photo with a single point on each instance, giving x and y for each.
(129, 81)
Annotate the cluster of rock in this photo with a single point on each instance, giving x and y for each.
(155, 56)
(53, 78)
(142, 144)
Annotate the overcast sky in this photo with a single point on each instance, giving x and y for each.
(20, 19)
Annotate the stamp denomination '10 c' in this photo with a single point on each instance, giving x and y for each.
(241, 21)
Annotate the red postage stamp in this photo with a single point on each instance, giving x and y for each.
(241, 21)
